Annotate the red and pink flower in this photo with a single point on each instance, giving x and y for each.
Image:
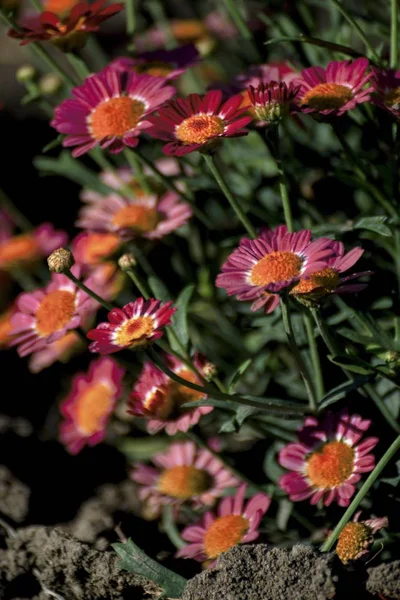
(146, 216)
(235, 523)
(336, 89)
(272, 102)
(271, 263)
(183, 473)
(198, 123)
(159, 63)
(110, 110)
(356, 537)
(387, 90)
(90, 403)
(328, 460)
(159, 399)
(134, 326)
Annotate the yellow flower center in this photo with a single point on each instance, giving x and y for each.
(115, 117)
(134, 332)
(331, 465)
(99, 245)
(392, 98)
(183, 482)
(354, 538)
(93, 403)
(225, 533)
(154, 68)
(199, 129)
(188, 30)
(164, 403)
(59, 7)
(137, 217)
(54, 312)
(325, 282)
(274, 267)
(326, 96)
(21, 248)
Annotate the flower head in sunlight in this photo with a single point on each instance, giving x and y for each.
(134, 326)
(159, 63)
(386, 85)
(109, 110)
(272, 262)
(182, 473)
(67, 29)
(336, 89)
(159, 399)
(234, 523)
(88, 407)
(356, 537)
(198, 123)
(328, 460)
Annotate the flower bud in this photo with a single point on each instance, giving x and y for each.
(50, 84)
(25, 73)
(127, 261)
(60, 260)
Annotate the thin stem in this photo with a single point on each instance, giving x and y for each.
(88, 291)
(394, 22)
(357, 29)
(79, 65)
(312, 342)
(36, 4)
(381, 406)
(329, 342)
(283, 189)
(130, 17)
(136, 280)
(229, 196)
(287, 323)
(369, 482)
(43, 54)
(137, 168)
(17, 216)
(169, 526)
(232, 9)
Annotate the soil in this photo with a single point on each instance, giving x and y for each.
(14, 496)
(385, 580)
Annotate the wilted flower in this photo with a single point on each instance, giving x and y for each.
(328, 460)
(357, 536)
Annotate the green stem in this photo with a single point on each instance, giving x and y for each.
(98, 157)
(88, 291)
(43, 54)
(283, 189)
(36, 4)
(329, 342)
(305, 39)
(357, 29)
(287, 323)
(369, 482)
(130, 17)
(169, 526)
(229, 196)
(312, 342)
(136, 280)
(79, 65)
(394, 23)
(232, 9)
(16, 215)
(137, 169)
(381, 406)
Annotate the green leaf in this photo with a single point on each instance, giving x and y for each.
(180, 322)
(53, 144)
(285, 508)
(142, 448)
(240, 371)
(66, 166)
(134, 560)
(341, 391)
(353, 364)
(271, 466)
(159, 290)
(375, 224)
(234, 424)
(354, 336)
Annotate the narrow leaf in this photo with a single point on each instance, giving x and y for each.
(353, 364)
(53, 144)
(240, 371)
(180, 321)
(342, 390)
(375, 224)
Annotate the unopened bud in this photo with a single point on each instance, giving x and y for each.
(209, 370)
(50, 84)
(60, 260)
(25, 73)
(127, 261)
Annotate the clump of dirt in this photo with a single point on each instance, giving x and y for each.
(58, 563)
(253, 572)
(14, 496)
(385, 580)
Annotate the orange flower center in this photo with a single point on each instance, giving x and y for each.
(183, 482)
(92, 405)
(99, 245)
(199, 129)
(224, 533)
(5, 327)
(354, 538)
(325, 282)
(326, 96)
(331, 465)
(59, 7)
(274, 267)
(392, 98)
(137, 217)
(116, 117)
(21, 248)
(164, 403)
(54, 312)
(154, 68)
(188, 30)
(134, 332)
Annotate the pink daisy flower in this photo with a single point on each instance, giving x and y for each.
(147, 216)
(272, 102)
(336, 89)
(356, 537)
(169, 64)
(159, 399)
(133, 326)
(386, 85)
(60, 350)
(329, 280)
(26, 248)
(328, 460)
(90, 403)
(109, 110)
(182, 473)
(45, 315)
(91, 247)
(197, 123)
(235, 523)
(271, 263)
